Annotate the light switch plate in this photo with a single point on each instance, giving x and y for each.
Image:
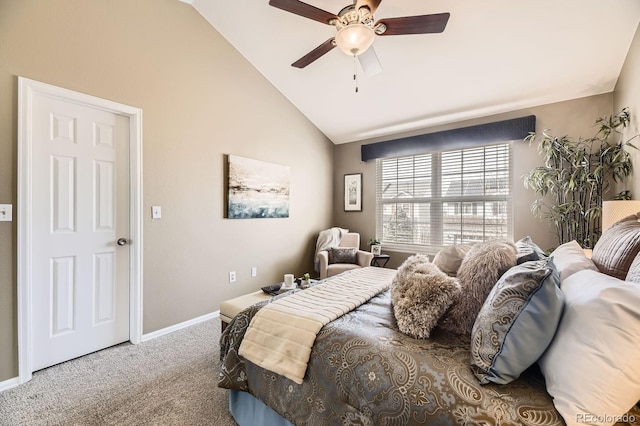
(6, 212)
(156, 212)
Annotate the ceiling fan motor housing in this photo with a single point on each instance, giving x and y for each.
(350, 15)
(355, 30)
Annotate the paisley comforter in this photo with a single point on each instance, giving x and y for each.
(363, 371)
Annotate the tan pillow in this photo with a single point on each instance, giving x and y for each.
(448, 259)
(569, 258)
(617, 247)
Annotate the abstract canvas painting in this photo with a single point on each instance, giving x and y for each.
(257, 189)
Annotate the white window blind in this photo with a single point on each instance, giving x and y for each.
(427, 201)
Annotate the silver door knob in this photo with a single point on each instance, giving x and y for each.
(122, 241)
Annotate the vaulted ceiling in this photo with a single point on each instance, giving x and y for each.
(494, 56)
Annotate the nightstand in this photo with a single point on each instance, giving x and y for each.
(380, 260)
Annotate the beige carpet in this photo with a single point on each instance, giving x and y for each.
(171, 380)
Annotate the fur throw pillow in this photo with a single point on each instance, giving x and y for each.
(480, 269)
(420, 294)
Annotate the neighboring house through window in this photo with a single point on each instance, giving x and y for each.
(431, 200)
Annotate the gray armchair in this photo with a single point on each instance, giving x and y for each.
(349, 240)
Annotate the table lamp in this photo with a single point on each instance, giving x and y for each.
(613, 211)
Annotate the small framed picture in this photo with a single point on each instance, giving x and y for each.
(376, 250)
(353, 192)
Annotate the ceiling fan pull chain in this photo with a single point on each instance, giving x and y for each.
(355, 72)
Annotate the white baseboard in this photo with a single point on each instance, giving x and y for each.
(180, 326)
(11, 383)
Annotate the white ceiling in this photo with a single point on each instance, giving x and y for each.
(494, 56)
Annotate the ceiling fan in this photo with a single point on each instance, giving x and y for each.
(357, 29)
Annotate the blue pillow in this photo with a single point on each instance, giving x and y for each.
(517, 321)
(528, 250)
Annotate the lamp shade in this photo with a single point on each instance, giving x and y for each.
(613, 211)
(354, 39)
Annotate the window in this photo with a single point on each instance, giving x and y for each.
(427, 201)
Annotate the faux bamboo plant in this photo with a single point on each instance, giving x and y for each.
(577, 173)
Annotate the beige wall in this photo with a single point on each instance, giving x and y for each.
(574, 118)
(201, 100)
(627, 94)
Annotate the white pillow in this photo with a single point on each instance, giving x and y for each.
(569, 258)
(592, 367)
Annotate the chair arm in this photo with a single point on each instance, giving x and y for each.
(364, 258)
(323, 262)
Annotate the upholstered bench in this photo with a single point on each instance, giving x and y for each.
(232, 307)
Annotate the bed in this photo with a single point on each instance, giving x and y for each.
(364, 371)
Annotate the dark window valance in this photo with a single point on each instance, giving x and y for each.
(499, 131)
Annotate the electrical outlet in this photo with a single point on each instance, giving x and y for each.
(254, 272)
(232, 276)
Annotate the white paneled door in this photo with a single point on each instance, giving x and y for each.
(79, 229)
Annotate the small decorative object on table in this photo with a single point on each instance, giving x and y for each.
(304, 282)
(288, 282)
(273, 289)
(376, 248)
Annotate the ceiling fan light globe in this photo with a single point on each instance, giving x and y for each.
(355, 39)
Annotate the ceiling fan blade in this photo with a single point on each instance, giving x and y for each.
(303, 9)
(421, 24)
(370, 63)
(371, 4)
(314, 54)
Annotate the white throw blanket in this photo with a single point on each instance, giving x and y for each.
(328, 238)
(281, 334)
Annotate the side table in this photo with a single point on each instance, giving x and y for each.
(380, 260)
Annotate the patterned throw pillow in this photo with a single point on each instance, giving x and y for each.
(528, 250)
(517, 322)
(478, 273)
(343, 255)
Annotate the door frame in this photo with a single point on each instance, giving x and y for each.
(27, 89)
